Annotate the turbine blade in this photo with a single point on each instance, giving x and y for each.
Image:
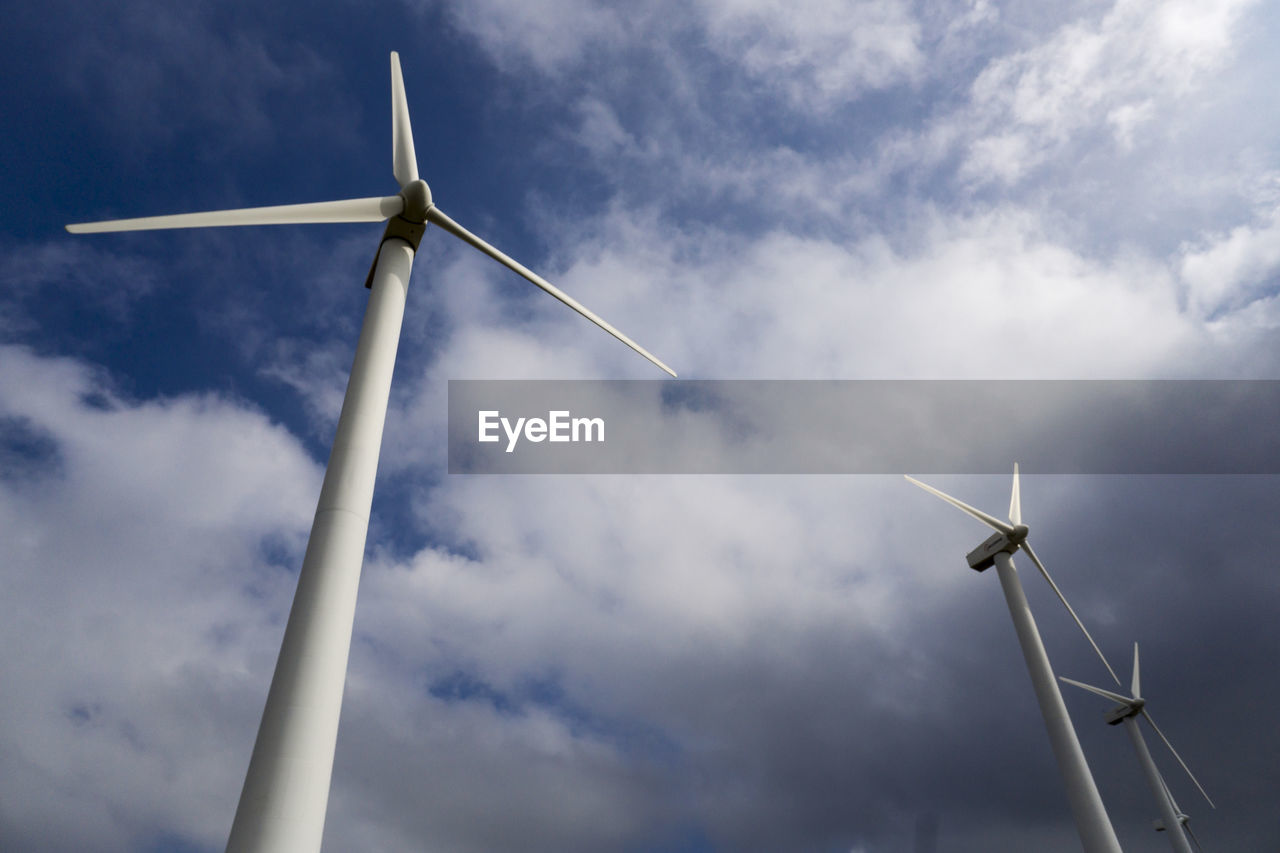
(347, 210)
(1179, 757)
(1026, 546)
(404, 162)
(437, 217)
(990, 521)
(1106, 694)
(1136, 687)
(1015, 500)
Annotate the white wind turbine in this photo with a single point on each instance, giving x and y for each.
(1182, 819)
(286, 789)
(1096, 832)
(1127, 712)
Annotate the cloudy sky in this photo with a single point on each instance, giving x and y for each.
(752, 190)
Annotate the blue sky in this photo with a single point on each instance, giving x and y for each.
(833, 190)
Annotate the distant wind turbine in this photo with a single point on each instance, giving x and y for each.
(1182, 819)
(1127, 712)
(1096, 832)
(286, 789)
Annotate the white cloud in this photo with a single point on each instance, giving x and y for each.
(1226, 272)
(549, 34)
(1110, 73)
(142, 601)
(986, 295)
(599, 129)
(993, 294)
(820, 54)
(744, 109)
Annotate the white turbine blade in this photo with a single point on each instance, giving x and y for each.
(404, 162)
(1026, 546)
(990, 521)
(1106, 694)
(1015, 500)
(347, 210)
(1136, 687)
(437, 217)
(1179, 757)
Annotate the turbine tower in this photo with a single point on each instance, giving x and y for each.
(1096, 832)
(286, 789)
(1127, 712)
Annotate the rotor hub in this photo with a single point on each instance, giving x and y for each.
(1019, 534)
(417, 200)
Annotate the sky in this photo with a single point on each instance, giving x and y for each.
(751, 190)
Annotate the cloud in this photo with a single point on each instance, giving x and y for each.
(1227, 272)
(549, 34)
(631, 643)
(1110, 74)
(147, 561)
(705, 663)
(712, 652)
(822, 55)
(58, 272)
(781, 305)
(1118, 107)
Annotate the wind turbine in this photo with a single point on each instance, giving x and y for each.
(286, 789)
(1096, 832)
(1127, 712)
(1183, 820)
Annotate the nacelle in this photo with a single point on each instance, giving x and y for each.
(984, 556)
